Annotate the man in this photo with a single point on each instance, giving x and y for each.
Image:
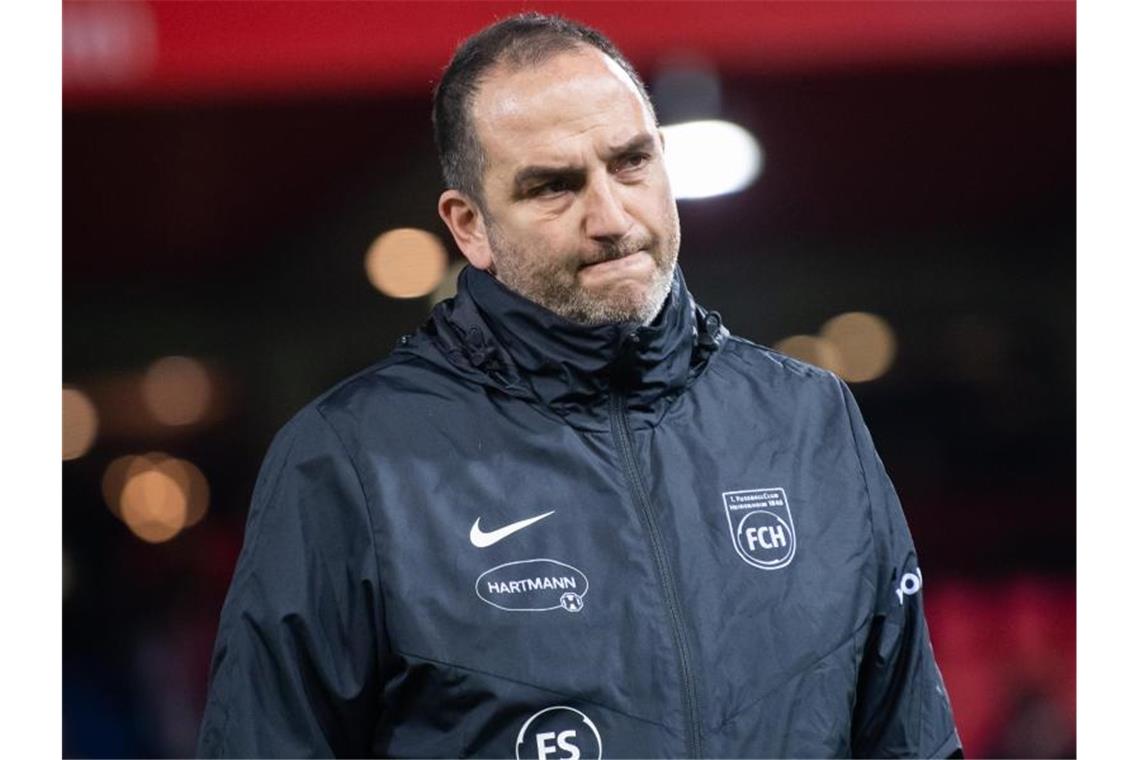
(572, 517)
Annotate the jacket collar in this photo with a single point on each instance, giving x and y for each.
(496, 335)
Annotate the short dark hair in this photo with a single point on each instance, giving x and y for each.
(526, 39)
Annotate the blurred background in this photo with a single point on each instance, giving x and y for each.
(884, 189)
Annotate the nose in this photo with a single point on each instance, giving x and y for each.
(605, 217)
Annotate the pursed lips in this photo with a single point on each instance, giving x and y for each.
(611, 259)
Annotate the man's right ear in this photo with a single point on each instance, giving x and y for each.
(467, 226)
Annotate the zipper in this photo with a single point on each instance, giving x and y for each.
(620, 425)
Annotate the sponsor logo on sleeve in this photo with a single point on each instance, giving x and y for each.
(760, 523)
(909, 584)
(533, 585)
(558, 733)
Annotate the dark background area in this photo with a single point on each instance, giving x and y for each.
(232, 226)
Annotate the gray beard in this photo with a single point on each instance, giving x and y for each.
(556, 287)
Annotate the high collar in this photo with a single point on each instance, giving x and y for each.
(494, 335)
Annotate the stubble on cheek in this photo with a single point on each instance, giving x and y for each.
(535, 273)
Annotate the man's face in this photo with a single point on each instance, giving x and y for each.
(579, 214)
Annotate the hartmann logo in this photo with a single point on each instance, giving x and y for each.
(533, 585)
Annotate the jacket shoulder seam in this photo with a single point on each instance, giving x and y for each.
(866, 481)
(746, 350)
(362, 375)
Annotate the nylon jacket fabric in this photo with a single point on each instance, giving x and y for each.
(720, 566)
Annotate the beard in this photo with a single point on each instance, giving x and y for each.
(550, 278)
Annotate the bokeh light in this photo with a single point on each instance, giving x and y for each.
(865, 342)
(193, 483)
(449, 284)
(115, 477)
(153, 505)
(155, 494)
(811, 349)
(406, 263)
(710, 157)
(80, 423)
(177, 390)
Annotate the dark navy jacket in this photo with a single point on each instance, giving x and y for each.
(686, 546)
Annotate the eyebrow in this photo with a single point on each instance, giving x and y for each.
(536, 174)
(639, 142)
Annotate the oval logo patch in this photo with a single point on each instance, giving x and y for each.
(760, 521)
(533, 585)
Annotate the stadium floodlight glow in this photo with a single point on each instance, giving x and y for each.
(707, 158)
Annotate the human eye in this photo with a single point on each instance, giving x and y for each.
(552, 187)
(556, 186)
(632, 162)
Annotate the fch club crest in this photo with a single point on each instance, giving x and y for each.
(760, 522)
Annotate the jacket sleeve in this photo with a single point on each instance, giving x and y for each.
(295, 666)
(901, 705)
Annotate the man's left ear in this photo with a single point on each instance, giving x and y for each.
(467, 226)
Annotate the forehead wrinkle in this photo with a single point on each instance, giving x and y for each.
(558, 143)
(538, 116)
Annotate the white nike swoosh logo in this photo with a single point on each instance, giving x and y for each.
(483, 540)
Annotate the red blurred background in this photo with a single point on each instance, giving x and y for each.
(228, 165)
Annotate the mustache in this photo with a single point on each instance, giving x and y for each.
(619, 250)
